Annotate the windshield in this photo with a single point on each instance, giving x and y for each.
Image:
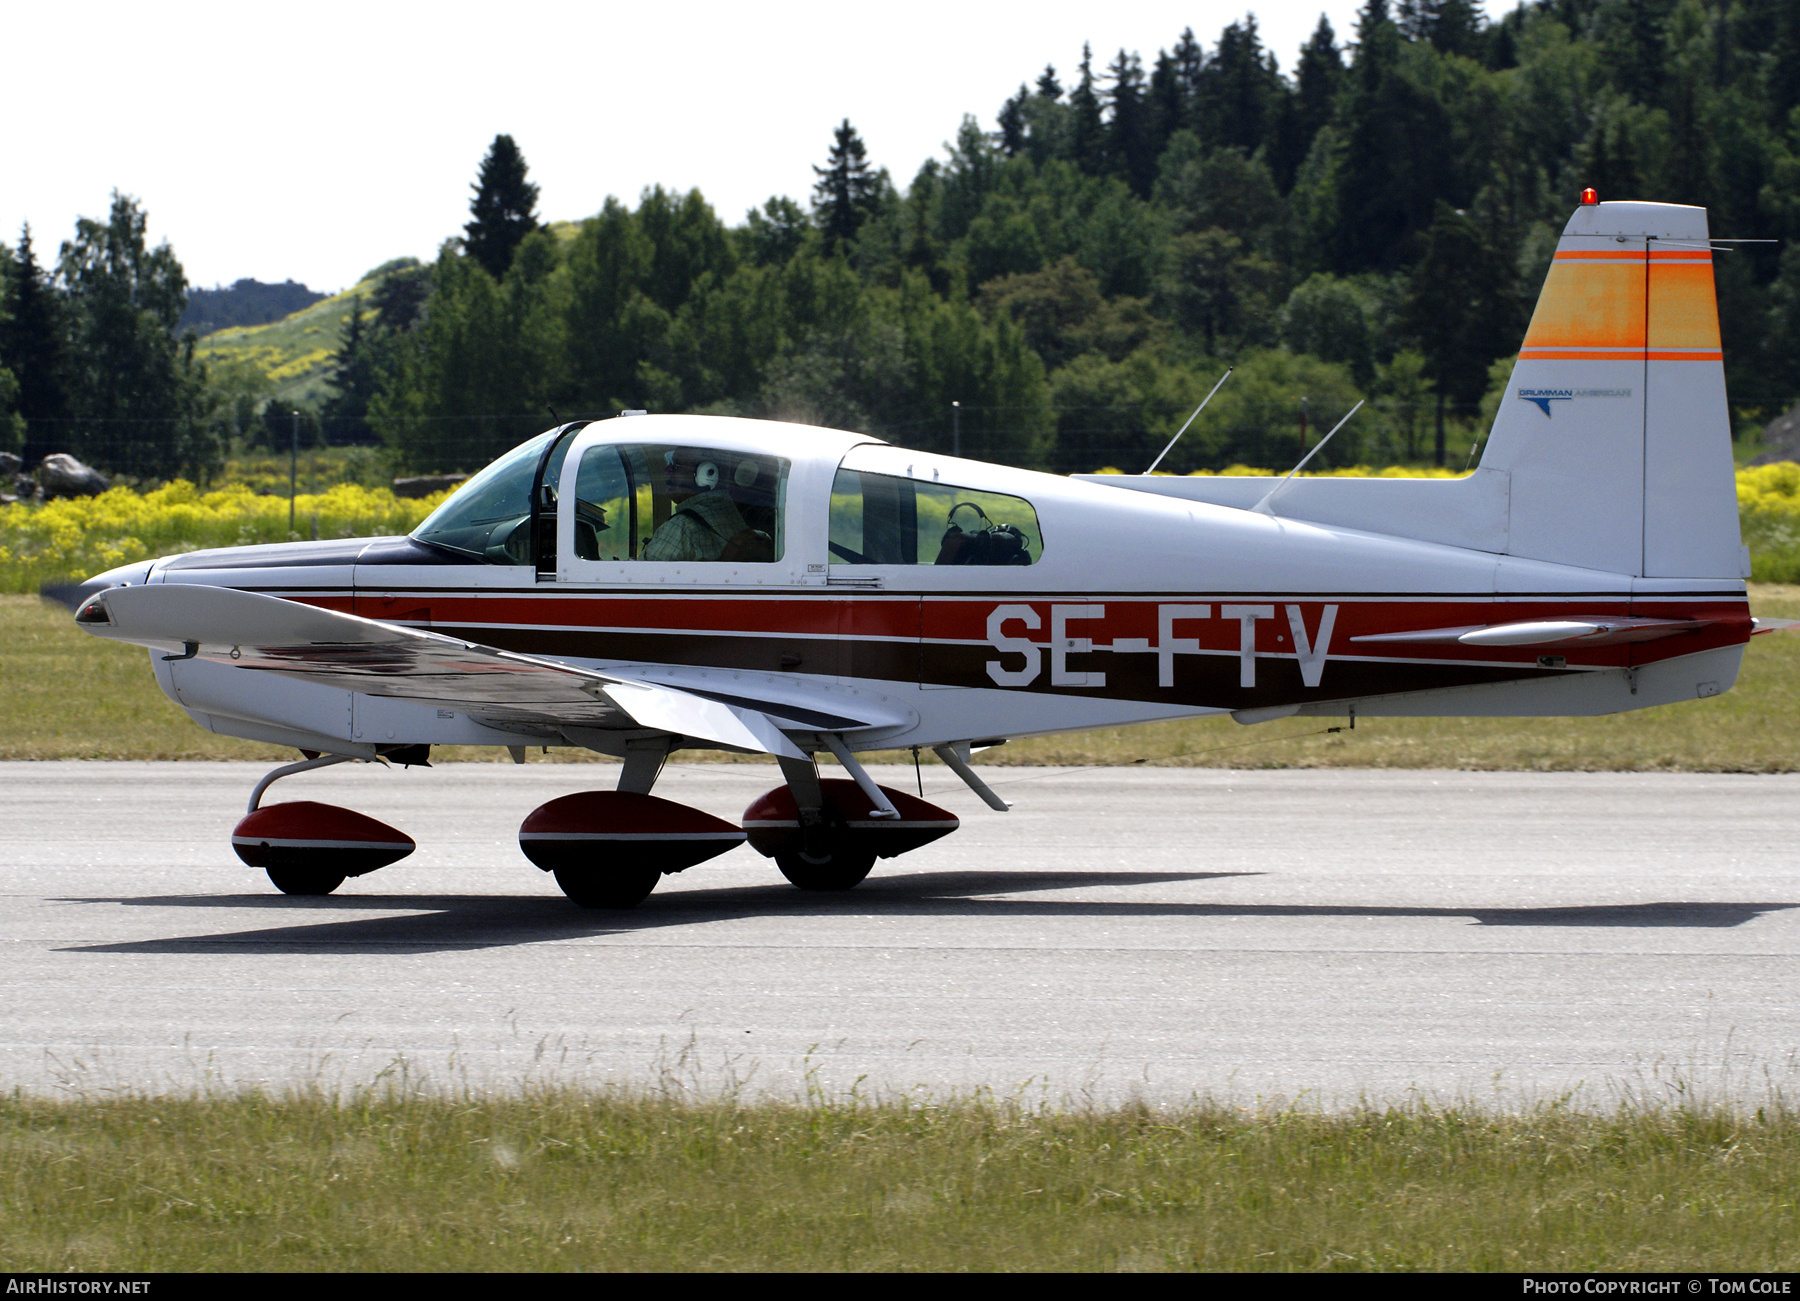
(489, 517)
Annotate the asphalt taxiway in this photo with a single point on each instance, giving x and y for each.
(1332, 936)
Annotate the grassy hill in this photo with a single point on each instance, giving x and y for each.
(294, 354)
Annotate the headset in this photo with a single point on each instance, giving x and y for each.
(706, 474)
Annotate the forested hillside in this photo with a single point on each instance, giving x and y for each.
(1062, 287)
(246, 302)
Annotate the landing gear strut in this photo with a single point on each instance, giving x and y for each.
(308, 848)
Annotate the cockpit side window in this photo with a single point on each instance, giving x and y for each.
(879, 519)
(662, 502)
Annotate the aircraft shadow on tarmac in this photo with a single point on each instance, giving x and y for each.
(460, 922)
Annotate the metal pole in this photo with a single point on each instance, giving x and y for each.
(956, 429)
(293, 470)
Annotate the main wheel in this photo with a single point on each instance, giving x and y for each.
(305, 880)
(612, 888)
(822, 862)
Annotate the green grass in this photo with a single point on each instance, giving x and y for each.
(610, 1181)
(66, 695)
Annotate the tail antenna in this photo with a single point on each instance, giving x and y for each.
(1190, 420)
(1263, 505)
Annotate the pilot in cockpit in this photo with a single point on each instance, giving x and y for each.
(706, 522)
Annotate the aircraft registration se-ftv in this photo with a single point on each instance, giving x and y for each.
(642, 585)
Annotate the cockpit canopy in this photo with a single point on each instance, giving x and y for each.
(681, 499)
(633, 501)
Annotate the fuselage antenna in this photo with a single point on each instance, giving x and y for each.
(1190, 420)
(1263, 505)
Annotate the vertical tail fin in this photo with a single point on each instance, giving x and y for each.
(1614, 429)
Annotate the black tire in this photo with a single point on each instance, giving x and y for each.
(305, 880)
(612, 888)
(825, 864)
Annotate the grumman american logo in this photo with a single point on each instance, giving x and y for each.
(1543, 397)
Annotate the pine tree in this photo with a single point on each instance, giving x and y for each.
(356, 375)
(1317, 77)
(847, 191)
(32, 347)
(1452, 26)
(1087, 133)
(1190, 71)
(1163, 104)
(1011, 122)
(1238, 86)
(1129, 150)
(503, 208)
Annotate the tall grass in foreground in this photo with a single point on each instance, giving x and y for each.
(571, 1180)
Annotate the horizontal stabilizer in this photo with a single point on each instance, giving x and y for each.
(1591, 630)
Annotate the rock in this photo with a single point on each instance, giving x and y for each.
(10, 464)
(426, 484)
(1780, 439)
(63, 476)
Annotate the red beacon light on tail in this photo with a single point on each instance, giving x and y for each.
(1590, 196)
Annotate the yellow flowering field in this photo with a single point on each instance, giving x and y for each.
(62, 540)
(1769, 512)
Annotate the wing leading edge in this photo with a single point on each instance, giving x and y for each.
(266, 634)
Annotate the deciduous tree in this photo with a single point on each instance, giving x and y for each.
(136, 391)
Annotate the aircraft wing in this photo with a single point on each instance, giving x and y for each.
(269, 635)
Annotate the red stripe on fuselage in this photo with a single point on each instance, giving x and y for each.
(1132, 618)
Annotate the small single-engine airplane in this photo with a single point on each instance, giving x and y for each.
(638, 586)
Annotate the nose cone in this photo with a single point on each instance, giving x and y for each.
(75, 595)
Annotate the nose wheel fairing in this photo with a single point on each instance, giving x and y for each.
(310, 848)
